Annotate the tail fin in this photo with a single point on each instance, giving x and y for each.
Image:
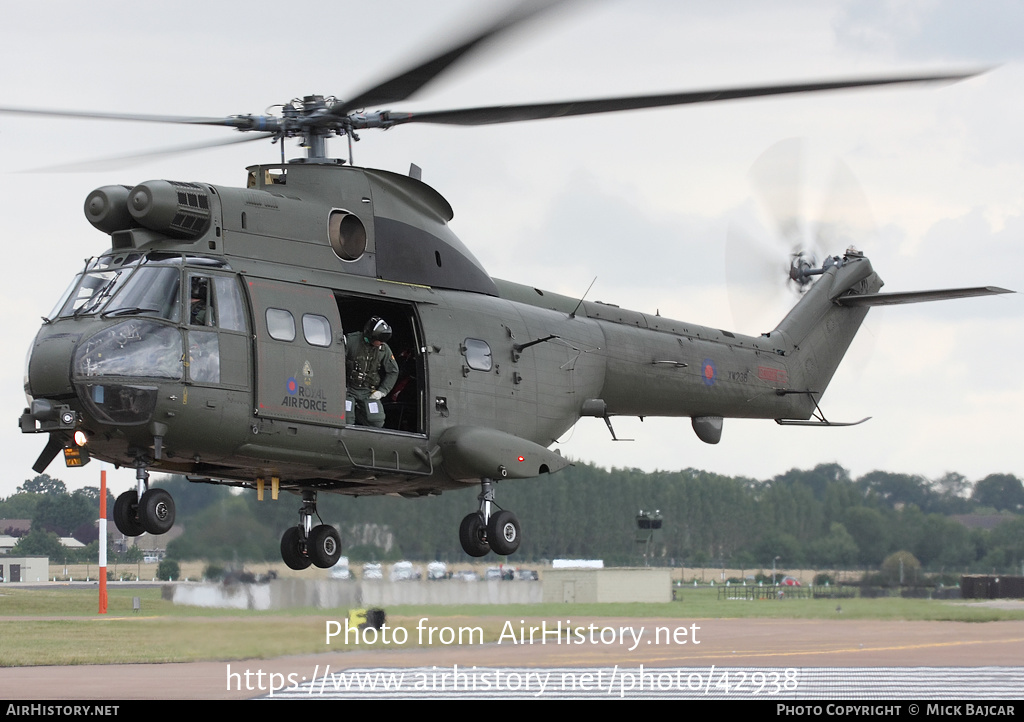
(817, 332)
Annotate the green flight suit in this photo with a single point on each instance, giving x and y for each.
(368, 368)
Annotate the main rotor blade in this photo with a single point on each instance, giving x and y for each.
(121, 161)
(405, 84)
(541, 111)
(231, 122)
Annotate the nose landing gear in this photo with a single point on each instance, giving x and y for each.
(484, 530)
(143, 509)
(306, 544)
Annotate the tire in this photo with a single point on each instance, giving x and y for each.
(471, 535)
(503, 533)
(126, 514)
(291, 552)
(156, 511)
(324, 546)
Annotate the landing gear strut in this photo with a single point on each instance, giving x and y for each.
(143, 509)
(306, 544)
(486, 530)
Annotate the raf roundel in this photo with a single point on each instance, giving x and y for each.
(708, 372)
(291, 386)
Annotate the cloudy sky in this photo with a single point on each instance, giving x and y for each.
(645, 202)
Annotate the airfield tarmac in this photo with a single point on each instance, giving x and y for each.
(724, 643)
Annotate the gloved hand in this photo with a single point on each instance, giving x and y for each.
(376, 395)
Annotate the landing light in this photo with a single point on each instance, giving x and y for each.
(75, 456)
(81, 438)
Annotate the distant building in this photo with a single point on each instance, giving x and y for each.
(589, 586)
(24, 569)
(15, 527)
(577, 564)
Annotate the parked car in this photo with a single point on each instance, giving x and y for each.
(340, 570)
(404, 572)
(790, 582)
(372, 571)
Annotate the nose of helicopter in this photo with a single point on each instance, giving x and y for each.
(48, 371)
(49, 392)
(88, 375)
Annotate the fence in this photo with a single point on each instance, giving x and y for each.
(994, 586)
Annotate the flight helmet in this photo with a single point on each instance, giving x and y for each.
(376, 329)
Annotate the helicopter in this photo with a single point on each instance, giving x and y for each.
(255, 392)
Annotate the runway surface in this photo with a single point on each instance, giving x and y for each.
(767, 684)
(822, 653)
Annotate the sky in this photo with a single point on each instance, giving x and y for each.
(646, 205)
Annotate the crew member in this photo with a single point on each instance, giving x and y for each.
(372, 371)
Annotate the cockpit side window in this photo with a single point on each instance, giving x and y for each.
(217, 347)
(201, 311)
(229, 301)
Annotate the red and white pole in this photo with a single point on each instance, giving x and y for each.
(103, 541)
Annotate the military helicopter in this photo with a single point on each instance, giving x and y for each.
(209, 339)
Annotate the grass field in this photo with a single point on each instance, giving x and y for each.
(60, 625)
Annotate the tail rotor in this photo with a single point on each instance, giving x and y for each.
(769, 269)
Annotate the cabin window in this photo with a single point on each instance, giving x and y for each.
(316, 329)
(478, 354)
(280, 324)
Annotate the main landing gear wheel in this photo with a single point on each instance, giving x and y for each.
(324, 546)
(156, 511)
(503, 533)
(126, 515)
(292, 551)
(305, 544)
(487, 530)
(472, 535)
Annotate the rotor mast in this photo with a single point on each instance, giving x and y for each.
(310, 118)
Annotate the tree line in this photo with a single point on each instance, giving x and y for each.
(819, 518)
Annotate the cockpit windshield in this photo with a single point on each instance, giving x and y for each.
(151, 291)
(96, 285)
(132, 285)
(91, 291)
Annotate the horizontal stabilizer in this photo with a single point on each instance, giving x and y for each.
(892, 299)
